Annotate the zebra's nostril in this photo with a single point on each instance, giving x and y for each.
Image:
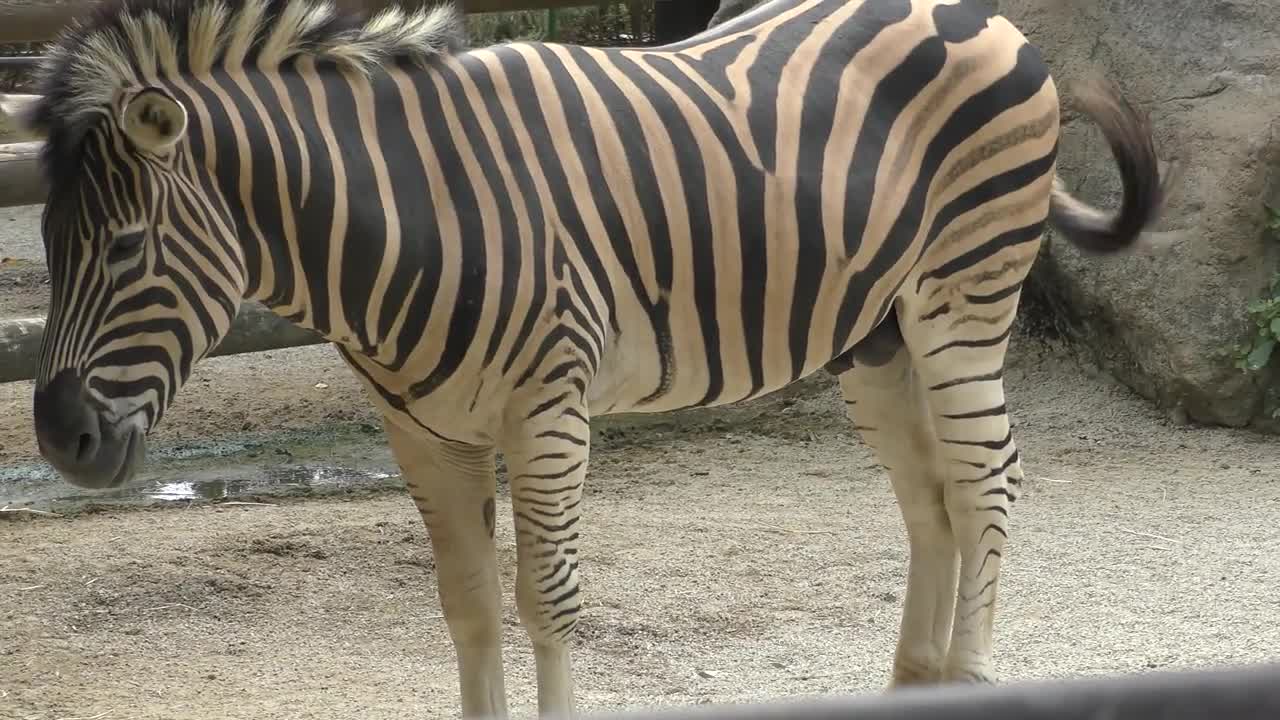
(69, 429)
(86, 447)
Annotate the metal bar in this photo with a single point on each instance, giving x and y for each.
(255, 329)
(20, 62)
(553, 25)
(1243, 693)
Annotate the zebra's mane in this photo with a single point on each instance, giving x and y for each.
(122, 42)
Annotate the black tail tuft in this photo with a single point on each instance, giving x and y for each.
(1129, 134)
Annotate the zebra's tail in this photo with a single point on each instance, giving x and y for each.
(1145, 192)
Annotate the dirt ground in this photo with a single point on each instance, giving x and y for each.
(754, 554)
(756, 560)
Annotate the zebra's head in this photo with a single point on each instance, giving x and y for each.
(144, 250)
(145, 273)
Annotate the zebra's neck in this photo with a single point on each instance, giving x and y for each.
(341, 187)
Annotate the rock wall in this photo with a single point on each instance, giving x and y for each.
(1166, 323)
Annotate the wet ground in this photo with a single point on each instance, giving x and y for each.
(313, 463)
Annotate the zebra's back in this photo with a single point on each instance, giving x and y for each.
(749, 203)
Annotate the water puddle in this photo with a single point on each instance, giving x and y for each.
(218, 472)
(39, 488)
(216, 485)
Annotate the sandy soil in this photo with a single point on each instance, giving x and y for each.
(760, 560)
(749, 555)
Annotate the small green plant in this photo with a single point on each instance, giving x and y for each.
(1273, 220)
(1265, 314)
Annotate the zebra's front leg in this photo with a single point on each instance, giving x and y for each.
(546, 453)
(453, 486)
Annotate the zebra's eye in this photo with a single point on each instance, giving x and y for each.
(123, 246)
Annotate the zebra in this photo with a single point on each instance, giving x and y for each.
(505, 242)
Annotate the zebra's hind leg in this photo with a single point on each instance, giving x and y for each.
(546, 454)
(958, 350)
(453, 487)
(886, 403)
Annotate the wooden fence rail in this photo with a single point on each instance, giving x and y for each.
(255, 329)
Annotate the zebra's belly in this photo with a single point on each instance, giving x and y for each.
(640, 372)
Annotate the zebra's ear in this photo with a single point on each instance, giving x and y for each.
(154, 120)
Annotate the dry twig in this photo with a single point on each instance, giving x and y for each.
(819, 676)
(1161, 538)
(33, 511)
(89, 717)
(170, 605)
(783, 530)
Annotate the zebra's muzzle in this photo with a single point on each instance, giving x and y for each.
(79, 441)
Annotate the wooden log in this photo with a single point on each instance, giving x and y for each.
(255, 329)
(20, 349)
(20, 62)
